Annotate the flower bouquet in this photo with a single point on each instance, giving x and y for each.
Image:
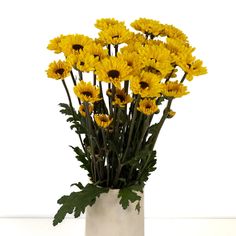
(124, 84)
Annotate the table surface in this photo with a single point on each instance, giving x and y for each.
(153, 227)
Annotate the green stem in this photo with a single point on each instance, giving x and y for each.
(88, 121)
(161, 122)
(143, 132)
(116, 49)
(80, 75)
(126, 86)
(171, 74)
(73, 112)
(74, 82)
(131, 126)
(118, 171)
(107, 157)
(109, 49)
(183, 78)
(94, 79)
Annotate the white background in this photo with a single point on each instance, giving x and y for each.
(196, 166)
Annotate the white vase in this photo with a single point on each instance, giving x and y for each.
(107, 217)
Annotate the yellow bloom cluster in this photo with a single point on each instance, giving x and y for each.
(142, 63)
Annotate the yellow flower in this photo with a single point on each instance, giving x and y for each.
(131, 47)
(54, 44)
(147, 106)
(73, 44)
(171, 114)
(102, 120)
(132, 59)
(115, 35)
(121, 98)
(172, 32)
(174, 89)
(147, 26)
(137, 38)
(179, 49)
(58, 70)
(193, 68)
(96, 50)
(86, 62)
(156, 59)
(113, 70)
(104, 23)
(87, 92)
(147, 85)
(82, 110)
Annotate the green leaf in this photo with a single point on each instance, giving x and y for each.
(79, 185)
(152, 129)
(77, 202)
(75, 118)
(130, 194)
(81, 156)
(160, 100)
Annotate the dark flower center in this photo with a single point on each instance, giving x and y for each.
(130, 63)
(121, 97)
(104, 119)
(115, 36)
(113, 74)
(82, 63)
(60, 71)
(152, 70)
(148, 106)
(88, 94)
(143, 84)
(77, 47)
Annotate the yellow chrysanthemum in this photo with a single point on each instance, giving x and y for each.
(54, 44)
(138, 38)
(147, 26)
(115, 35)
(58, 70)
(86, 62)
(104, 23)
(73, 44)
(147, 106)
(156, 59)
(102, 120)
(147, 85)
(132, 59)
(174, 89)
(82, 109)
(121, 98)
(96, 50)
(178, 49)
(192, 69)
(113, 70)
(172, 32)
(87, 92)
(131, 47)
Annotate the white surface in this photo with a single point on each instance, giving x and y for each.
(153, 227)
(196, 151)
